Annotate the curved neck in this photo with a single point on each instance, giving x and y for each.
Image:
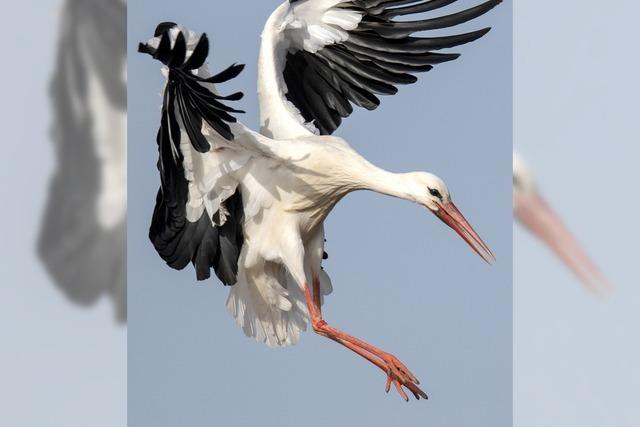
(367, 176)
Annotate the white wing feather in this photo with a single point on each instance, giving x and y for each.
(308, 25)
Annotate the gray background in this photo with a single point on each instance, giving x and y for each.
(60, 365)
(402, 279)
(576, 121)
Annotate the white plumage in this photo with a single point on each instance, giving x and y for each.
(316, 62)
(309, 26)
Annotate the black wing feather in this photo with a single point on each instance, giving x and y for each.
(230, 73)
(426, 6)
(199, 55)
(378, 55)
(187, 100)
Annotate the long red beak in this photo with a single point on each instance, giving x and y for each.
(534, 213)
(451, 216)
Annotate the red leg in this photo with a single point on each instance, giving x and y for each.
(397, 372)
(316, 295)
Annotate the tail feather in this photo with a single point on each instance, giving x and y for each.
(265, 308)
(271, 308)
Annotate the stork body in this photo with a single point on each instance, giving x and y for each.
(252, 205)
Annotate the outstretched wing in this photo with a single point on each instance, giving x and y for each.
(198, 215)
(332, 54)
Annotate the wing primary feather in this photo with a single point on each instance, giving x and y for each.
(333, 98)
(230, 73)
(397, 30)
(201, 102)
(322, 112)
(192, 123)
(217, 120)
(360, 81)
(331, 95)
(425, 6)
(209, 97)
(237, 96)
(376, 7)
(427, 58)
(360, 98)
(413, 44)
(323, 69)
(345, 58)
(209, 111)
(199, 54)
(402, 68)
(179, 51)
(171, 115)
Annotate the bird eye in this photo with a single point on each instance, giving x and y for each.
(435, 193)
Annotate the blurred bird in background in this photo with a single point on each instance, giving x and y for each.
(82, 239)
(533, 212)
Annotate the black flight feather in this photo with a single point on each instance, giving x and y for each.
(378, 55)
(189, 101)
(199, 55)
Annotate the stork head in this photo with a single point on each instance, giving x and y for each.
(431, 192)
(523, 182)
(532, 211)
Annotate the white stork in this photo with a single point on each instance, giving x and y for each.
(252, 205)
(534, 213)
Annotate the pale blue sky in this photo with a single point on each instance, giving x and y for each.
(576, 121)
(402, 279)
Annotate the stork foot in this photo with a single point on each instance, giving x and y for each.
(397, 372)
(400, 376)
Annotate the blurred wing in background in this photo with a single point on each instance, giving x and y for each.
(82, 239)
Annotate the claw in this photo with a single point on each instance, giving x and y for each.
(400, 376)
(400, 390)
(417, 391)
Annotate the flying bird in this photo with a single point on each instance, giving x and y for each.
(532, 211)
(82, 240)
(251, 206)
